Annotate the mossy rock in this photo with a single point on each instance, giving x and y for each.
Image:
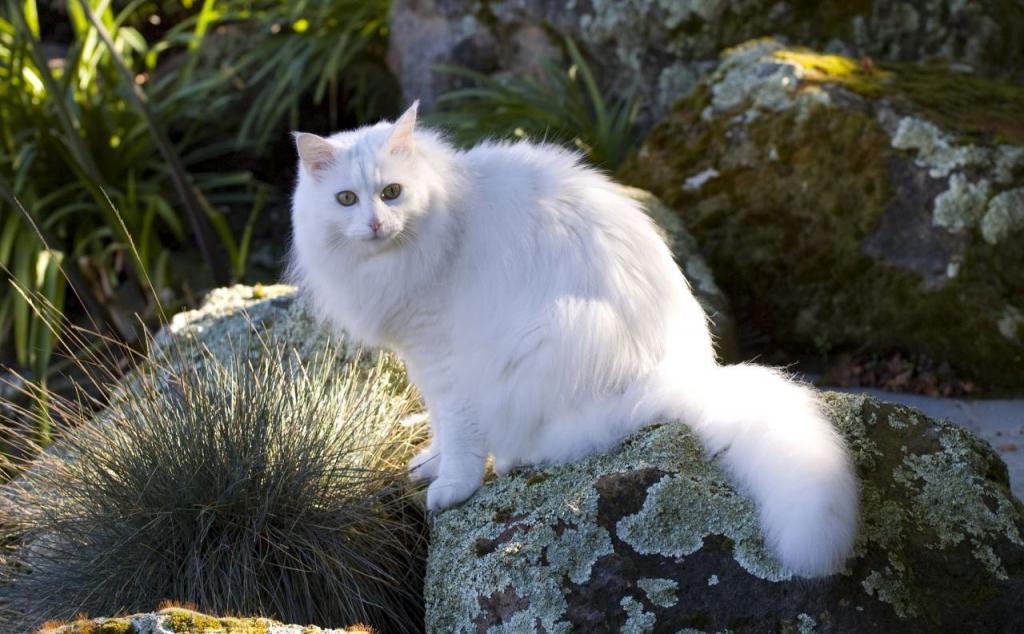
(658, 50)
(233, 318)
(654, 537)
(843, 204)
(183, 621)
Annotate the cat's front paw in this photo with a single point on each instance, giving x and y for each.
(425, 465)
(444, 492)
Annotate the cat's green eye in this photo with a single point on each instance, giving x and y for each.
(346, 198)
(391, 192)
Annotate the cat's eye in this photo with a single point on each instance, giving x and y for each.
(391, 192)
(346, 198)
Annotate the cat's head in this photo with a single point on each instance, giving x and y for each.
(365, 190)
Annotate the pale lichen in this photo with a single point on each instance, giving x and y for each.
(637, 620)
(896, 595)
(681, 510)
(806, 624)
(962, 205)
(660, 592)
(1003, 215)
(936, 150)
(1010, 322)
(752, 76)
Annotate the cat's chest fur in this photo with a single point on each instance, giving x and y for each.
(389, 304)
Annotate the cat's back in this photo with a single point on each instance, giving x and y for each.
(513, 178)
(532, 187)
(539, 222)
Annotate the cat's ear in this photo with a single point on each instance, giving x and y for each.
(317, 153)
(400, 141)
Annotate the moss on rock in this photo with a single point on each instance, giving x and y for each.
(176, 620)
(849, 207)
(654, 537)
(658, 49)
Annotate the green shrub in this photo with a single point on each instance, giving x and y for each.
(559, 105)
(330, 52)
(125, 160)
(258, 484)
(106, 168)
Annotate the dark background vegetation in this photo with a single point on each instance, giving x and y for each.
(144, 150)
(145, 154)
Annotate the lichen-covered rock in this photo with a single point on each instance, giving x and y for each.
(654, 537)
(182, 621)
(659, 49)
(231, 317)
(847, 204)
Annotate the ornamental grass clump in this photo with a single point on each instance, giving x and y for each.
(258, 485)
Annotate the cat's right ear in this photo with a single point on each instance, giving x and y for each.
(317, 153)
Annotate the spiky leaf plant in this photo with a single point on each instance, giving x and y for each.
(557, 105)
(257, 484)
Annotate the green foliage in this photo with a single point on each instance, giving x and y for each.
(253, 484)
(91, 167)
(126, 152)
(560, 105)
(279, 54)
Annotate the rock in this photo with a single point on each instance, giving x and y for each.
(653, 537)
(844, 204)
(182, 621)
(658, 50)
(229, 317)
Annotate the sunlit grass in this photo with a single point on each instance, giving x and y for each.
(243, 482)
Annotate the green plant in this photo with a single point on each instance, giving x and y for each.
(98, 153)
(282, 53)
(563, 105)
(259, 483)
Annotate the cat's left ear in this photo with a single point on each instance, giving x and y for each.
(400, 141)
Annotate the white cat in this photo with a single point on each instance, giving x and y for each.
(543, 319)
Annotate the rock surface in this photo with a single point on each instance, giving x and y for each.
(658, 49)
(182, 621)
(847, 205)
(655, 538)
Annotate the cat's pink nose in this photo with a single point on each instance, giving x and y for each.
(375, 225)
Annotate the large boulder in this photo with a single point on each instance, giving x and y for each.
(658, 50)
(655, 538)
(844, 204)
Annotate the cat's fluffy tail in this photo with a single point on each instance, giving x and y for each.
(774, 440)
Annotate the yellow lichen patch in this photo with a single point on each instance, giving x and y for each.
(186, 621)
(972, 104)
(860, 76)
(89, 626)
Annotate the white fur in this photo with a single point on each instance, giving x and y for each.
(544, 319)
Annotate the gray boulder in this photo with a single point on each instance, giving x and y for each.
(659, 50)
(655, 538)
(845, 205)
